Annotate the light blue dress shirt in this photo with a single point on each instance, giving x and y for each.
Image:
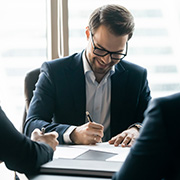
(98, 99)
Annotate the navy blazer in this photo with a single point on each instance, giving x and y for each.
(18, 152)
(60, 96)
(155, 155)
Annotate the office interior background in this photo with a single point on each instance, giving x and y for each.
(34, 31)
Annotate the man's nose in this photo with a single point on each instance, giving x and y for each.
(107, 59)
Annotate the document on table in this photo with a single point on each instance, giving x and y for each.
(101, 151)
(100, 160)
(68, 152)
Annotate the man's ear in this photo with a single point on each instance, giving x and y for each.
(87, 32)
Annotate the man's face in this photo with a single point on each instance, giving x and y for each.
(103, 39)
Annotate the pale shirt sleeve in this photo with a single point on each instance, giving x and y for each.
(66, 135)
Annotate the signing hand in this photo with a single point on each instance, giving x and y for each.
(126, 138)
(48, 138)
(89, 133)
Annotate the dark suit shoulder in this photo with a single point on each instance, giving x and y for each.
(65, 61)
(168, 106)
(58, 69)
(134, 71)
(167, 101)
(131, 66)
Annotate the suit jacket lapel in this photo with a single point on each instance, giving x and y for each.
(76, 77)
(118, 95)
(118, 84)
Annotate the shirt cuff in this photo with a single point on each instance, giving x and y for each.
(66, 135)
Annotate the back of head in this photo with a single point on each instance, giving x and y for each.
(116, 18)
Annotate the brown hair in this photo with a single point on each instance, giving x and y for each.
(116, 18)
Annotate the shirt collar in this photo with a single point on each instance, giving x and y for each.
(85, 63)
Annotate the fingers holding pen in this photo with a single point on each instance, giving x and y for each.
(89, 133)
(97, 137)
(94, 130)
(96, 127)
(92, 124)
(97, 132)
(49, 138)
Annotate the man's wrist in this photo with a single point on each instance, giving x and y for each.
(135, 125)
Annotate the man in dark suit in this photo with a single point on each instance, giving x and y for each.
(98, 80)
(155, 155)
(20, 153)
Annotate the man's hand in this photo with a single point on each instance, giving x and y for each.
(48, 138)
(126, 138)
(89, 133)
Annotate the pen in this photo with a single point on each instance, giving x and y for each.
(88, 117)
(43, 129)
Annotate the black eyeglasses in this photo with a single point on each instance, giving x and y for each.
(102, 52)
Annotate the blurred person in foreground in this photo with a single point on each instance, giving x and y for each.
(155, 155)
(22, 154)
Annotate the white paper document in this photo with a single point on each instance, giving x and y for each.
(74, 151)
(68, 152)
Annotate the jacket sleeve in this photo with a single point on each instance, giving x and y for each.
(42, 106)
(19, 152)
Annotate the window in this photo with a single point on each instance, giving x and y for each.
(23, 47)
(154, 44)
(23, 33)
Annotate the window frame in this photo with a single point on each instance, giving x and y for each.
(57, 29)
